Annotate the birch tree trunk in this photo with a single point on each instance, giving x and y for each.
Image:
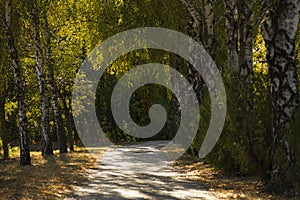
(60, 131)
(24, 142)
(194, 30)
(40, 70)
(208, 27)
(245, 38)
(232, 32)
(70, 125)
(3, 95)
(68, 114)
(67, 108)
(245, 81)
(3, 130)
(279, 32)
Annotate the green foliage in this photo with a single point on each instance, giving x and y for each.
(140, 102)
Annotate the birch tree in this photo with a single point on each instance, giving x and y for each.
(232, 35)
(40, 71)
(208, 25)
(3, 94)
(24, 142)
(195, 26)
(60, 131)
(279, 31)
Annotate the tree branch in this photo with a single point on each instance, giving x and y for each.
(262, 13)
(193, 12)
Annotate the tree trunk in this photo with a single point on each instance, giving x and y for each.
(3, 131)
(24, 142)
(60, 131)
(245, 38)
(176, 61)
(245, 80)
(208, 13)
(194, 31)
(68, 114)
(70, 128)
(279, 32)
(40, 70)
(232, 32)
(69, 118)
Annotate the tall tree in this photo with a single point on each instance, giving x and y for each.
(60, 131)
(40, 71)
(245, 75)
(3, 131)
(66, 98)
(3, 95)
(232, 32)
(195, 26)
(24, 142)
(241, 20)
(279, 32)
(208, 25)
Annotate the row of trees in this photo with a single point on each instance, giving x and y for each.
(27, 48)
(253, 43)
(258, 140)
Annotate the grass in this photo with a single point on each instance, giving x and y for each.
(47, 178)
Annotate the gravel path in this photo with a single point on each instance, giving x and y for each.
(124, 174)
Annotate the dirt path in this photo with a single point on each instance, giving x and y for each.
(124, 175)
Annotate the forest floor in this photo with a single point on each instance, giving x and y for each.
(224, 186)
(79, 174)
(47, 178)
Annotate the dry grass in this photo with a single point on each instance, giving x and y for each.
(50, 178)
(223, 186)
